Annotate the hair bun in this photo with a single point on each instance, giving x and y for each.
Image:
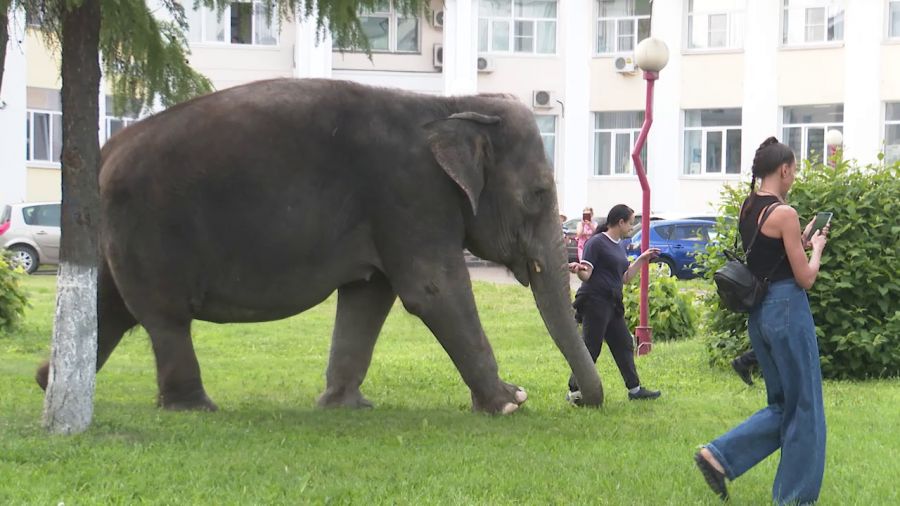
(768, 142)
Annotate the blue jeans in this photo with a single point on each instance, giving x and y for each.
(783, 336)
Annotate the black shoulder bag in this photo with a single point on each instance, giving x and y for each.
(739, 289)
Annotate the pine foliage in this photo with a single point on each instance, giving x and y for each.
(146, 59)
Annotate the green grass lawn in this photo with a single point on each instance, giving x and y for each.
(268, 444)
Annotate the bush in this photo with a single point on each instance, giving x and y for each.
(12, 301)
(672, 314)
(856, 299)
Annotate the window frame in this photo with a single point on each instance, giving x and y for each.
(704, 133)
(730, 22)
(887, 123)
(394, 17)
(633, 133)
(785, 41)
(29, 140)
(203, 11)
(804, 132)
(126, 121)
(554, 135)
(635, 19)
(887, 17)
(511, 34)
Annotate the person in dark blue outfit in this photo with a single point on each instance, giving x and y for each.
(603, 270)
(783, 336)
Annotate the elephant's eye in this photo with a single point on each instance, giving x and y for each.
(535, 199)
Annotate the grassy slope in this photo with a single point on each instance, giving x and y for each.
(268, 444)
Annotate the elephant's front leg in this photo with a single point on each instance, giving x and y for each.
(361, 310)
(443, 299)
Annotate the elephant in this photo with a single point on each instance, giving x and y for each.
(257, 202)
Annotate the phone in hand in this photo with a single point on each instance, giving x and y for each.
(822, 219)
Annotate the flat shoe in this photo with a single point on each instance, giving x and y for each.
(713, 477)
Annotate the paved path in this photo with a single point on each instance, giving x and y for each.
(501, 275)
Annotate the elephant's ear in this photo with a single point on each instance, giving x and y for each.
(461, 148)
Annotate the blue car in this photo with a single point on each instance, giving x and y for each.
(678, 242)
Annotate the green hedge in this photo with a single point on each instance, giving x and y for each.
(856, 299)
(672, 313)
(12, 301)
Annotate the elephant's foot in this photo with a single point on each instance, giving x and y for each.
(197, 401)
(343, 398)
(42, 375)
(503, 401)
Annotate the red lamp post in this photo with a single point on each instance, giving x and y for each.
(651, 56)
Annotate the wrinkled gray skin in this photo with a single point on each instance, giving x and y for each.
(255, 203)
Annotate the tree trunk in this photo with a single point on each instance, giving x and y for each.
(4, 37)
(68, 405)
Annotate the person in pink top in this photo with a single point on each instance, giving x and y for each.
(585, 229)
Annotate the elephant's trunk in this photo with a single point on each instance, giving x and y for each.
(550, 286)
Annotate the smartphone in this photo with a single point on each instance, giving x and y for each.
(822, 219)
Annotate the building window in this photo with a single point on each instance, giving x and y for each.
(712, 141)
(615, 134)
(43, 125)
(44, 142)
(812, 21)
(894, 19)
(388, 30)
(892, 133)
(115, 122)
(517, 26)
(547, 126)
(242, 23)
(805, 126)
(621, 24)
(715, 24)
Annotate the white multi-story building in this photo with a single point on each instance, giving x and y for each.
(739, 71)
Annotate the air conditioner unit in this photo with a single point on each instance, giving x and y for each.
(438, 57)
(625, 64)
(485, 64)
(437, 19)
(543, 99)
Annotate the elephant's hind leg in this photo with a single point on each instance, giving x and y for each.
(177, 369)
(361, 310)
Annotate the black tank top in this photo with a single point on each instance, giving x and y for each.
(767, 251)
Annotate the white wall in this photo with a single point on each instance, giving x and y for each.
(862, 71)
(573, 131)
(664, 141)
(12, 116)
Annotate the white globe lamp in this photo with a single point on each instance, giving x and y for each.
(651, 55)
(834, 138)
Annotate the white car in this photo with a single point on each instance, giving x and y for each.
(31, 232)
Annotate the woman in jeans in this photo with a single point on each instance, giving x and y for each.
(783, 336)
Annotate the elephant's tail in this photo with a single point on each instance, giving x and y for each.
(113, 320)
(113, 316)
